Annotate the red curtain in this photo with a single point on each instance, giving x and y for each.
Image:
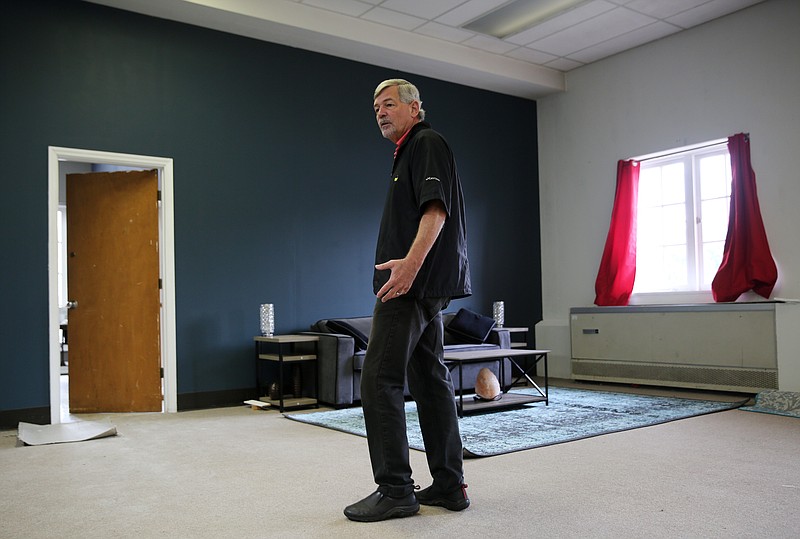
(617, 272)
(746, 261)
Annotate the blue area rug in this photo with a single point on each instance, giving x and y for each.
(777, 402)
(573, 414)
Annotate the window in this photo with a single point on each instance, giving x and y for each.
(684, 200)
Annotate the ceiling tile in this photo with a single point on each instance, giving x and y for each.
(427, 9)
(354, 8)
(532, 56)
(560, 22)
(490, 44)
(709, 11)
(468, 11)
(392, 18)
(563, 64)
(441, 31)
(588, 33)
(661, 9)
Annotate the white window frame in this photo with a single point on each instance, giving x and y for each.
(695, 291)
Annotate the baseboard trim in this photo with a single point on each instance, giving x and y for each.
(214, 399)
(10, 419)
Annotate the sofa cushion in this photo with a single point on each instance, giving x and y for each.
(470, 326)
(358, 360)
(349, 328)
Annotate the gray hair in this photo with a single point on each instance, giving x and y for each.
(408, 92)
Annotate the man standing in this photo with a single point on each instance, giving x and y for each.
(421, 264)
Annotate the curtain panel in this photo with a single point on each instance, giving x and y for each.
(747, 262)
(617, 272)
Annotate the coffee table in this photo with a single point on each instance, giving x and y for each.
(507, 400)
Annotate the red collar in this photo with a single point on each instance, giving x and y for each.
(401, 140)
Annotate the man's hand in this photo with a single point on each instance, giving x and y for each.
(401, 279)
(404, 270)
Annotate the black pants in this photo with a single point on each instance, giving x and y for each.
(407, 337)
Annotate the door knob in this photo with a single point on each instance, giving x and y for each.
(72, 305)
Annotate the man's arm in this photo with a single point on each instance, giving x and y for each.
(404, 270)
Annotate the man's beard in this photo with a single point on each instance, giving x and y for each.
(388, 130)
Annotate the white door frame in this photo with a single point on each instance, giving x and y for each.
(166, 260)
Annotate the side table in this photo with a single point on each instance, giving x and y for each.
(283, 349)
(522, 331)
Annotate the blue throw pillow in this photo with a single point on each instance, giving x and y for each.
(470, 326)
(340, 326)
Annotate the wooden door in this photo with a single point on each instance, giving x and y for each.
(113, 272)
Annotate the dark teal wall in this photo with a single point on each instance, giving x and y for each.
(279, 178)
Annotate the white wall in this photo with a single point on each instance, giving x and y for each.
(740, 73)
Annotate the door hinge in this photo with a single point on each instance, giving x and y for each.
(158, 195)
(161, 371)
(160, 284)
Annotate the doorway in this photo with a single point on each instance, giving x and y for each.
(58, 157)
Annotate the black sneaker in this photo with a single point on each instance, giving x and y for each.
(455, 500)
(378, 506)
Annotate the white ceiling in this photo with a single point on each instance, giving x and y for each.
(426, 36)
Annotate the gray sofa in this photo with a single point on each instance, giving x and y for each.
(340, 357)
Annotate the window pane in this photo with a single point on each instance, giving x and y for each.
(648, 261)
(650, 187)
(714, 177)
(712, 258)
(673, 231)
(715, 219)
(660, 269)
(675, 276)
(672, 182)
(648, 227)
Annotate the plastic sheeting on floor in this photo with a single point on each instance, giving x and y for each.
(79, 431)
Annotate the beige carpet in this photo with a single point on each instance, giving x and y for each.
(241, 473)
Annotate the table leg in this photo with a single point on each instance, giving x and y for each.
(536, 359)
(504, 388)
(258, 372)
(460, 389)
(280, 375)
(546, 384)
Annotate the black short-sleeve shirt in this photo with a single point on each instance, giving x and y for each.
(424, 170)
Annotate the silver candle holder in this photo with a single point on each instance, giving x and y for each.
(267, 317)
(499, 313)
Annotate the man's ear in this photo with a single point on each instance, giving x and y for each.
(415, 108)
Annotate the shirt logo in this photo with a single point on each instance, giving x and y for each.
(395, 179)
(432, 178)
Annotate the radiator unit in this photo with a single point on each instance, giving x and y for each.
(730, 347)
